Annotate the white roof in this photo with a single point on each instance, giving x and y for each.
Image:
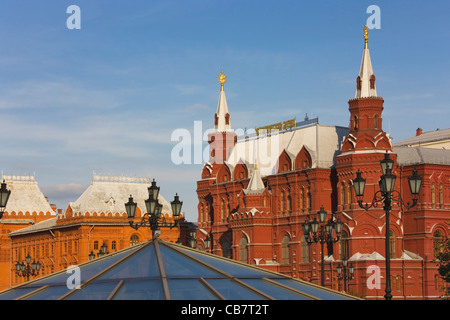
(425, 138)
(322, 142)
(25, 195)
(40, 226)
(255, 185)
(407, 156)
(108, 194)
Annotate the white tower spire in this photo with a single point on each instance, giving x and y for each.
(365, 86)
(222, 117)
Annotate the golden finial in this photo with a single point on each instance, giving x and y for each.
(222, 80)
(366, 37)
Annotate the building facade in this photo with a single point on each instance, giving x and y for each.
(26, 207)
(97, 218)
(256, 192)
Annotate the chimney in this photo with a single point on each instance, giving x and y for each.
(418, 132)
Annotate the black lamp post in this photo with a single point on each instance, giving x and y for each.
(318, 231)
(345, 273)
(153, 218)
(4, 196)
(387, 195)
(28, 269)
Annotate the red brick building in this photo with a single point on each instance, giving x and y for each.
(258, 189)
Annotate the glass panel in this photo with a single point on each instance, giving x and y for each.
(51, 293)
(16, 293)
(311, 290)
(141, 290)
(87, 271)
(177, 265)
(230, 290)
(141, 264)
(231, 268)
(94, 291)
(189, 290)
(273, 290)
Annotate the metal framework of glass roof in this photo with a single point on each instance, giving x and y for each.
(159, 270)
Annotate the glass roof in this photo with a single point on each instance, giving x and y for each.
(159, 270)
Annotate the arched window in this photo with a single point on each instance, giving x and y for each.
(302, 199)
(282, 203)
(134, 240)
(222, 210)
(376, 122)
(343, 195)
(243, 250)
(343, 246)
(391, 244)
(95, 245)
(285, 251)
(308, 199)
(305, 251)
(289, 203)
(226, 250)
(114, 245)
(349, 196)
(441, 196)
(433, 196)
(438, 243)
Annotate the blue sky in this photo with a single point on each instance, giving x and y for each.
(107, 98)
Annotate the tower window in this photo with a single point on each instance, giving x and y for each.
(372, 82)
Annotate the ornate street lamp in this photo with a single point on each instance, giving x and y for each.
(192, 239)
(345, 273)
(4, 196)
(387, 195)
(318, 231)
(102, 251)
(207, 242)
(154, 217)
(91, 255)
(28, 269)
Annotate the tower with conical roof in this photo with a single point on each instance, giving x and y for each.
(223, 139)
(363, 148)
(366, 133)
